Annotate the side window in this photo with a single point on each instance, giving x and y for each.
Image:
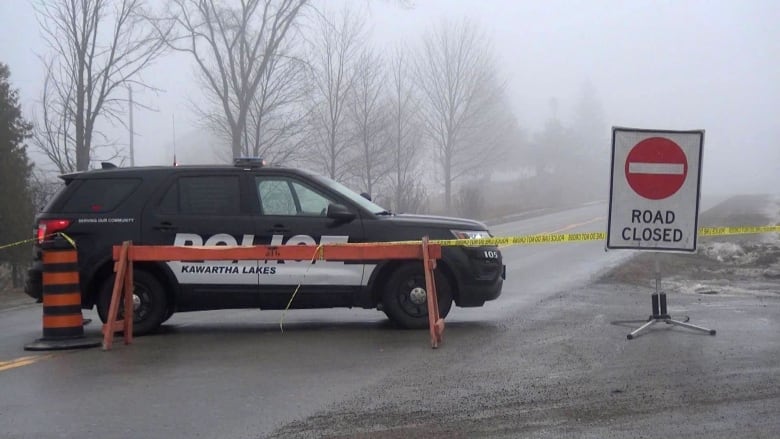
(312, 203)
(276, 197)
(99, 195)
(281, 196)
(204, 195)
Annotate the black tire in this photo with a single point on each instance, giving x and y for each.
(168, 314)
(402, 300)
(152, 306)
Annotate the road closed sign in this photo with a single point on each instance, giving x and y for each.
(654, 189)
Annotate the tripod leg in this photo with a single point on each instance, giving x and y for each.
(689, 326)
(636, 332)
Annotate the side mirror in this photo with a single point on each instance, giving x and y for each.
(340, 212)
(365, 195)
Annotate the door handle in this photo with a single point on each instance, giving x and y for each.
(278, 229)
(165, 226)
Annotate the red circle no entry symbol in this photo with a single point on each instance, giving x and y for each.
(656, 168)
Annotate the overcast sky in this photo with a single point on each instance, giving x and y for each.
(712, 65)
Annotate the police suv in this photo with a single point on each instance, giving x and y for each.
(252, 204)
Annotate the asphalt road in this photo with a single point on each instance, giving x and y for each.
(549, 358)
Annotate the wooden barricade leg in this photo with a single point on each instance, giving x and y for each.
(435, 322)
(122, 267)
(127, 328)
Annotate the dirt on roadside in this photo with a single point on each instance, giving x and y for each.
(13, 297)
(739, 264)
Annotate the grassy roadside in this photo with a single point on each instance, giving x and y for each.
(722, 265)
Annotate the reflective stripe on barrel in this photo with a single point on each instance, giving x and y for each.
(62, 299)
(61, 322)
(60, 257)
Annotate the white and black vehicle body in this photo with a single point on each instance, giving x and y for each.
(248, 204)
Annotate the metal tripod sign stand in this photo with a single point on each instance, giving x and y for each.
(660, 313)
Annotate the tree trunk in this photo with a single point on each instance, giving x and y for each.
(447, 185)
(236, 142)
(82, 153)
(16, 279)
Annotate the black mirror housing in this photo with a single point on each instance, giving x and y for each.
(340, 212)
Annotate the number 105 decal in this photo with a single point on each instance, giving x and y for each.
(491, 254)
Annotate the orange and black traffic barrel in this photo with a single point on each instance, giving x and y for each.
(63, 326)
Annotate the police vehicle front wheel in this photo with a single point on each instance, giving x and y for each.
(149, 302)
(405, 299)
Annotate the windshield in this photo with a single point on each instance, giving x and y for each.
(352, 195)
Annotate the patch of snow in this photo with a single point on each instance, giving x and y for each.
(772, 211)
(723, 251)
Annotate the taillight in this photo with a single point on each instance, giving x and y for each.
(51, 226)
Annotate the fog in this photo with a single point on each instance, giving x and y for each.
(712, 65)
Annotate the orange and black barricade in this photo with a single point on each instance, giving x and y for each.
(127, 253)
(63, 326)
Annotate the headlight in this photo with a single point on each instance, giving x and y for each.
(471, 234)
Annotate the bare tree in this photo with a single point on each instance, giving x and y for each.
(470, 201)
(277, 119)
(461, 97)
(334, 55)
(276, 123)
(591, 148)
(99, 48)
(235, 49)
(405, 138)
(369, 117)
(43, 187)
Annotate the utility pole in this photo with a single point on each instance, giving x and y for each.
(132, 134)
(173, 125)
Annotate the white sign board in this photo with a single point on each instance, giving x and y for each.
(654, 189)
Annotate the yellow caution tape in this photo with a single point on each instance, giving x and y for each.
(545, 238)
(14, 244)
(551, 238)
(738, 230)
(317, 255)
(70, 240)
(542, 238)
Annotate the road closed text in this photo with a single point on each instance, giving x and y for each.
(652, 226)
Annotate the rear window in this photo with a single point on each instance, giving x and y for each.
(99, 195)
(49, 195)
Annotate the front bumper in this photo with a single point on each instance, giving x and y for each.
(33, 284)
(480, 273)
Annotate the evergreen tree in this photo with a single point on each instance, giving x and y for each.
(16, 209)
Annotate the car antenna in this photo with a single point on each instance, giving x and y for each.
(173, 126)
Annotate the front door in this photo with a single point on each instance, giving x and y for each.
(292, 212)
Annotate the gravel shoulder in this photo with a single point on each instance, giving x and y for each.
(14, 298)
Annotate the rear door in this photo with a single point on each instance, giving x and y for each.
(291, 211)
(201, 209)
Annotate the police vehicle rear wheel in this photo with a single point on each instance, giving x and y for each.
(405, 300)
(149, 302)
(168, 314)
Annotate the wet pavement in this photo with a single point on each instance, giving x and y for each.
(564, 368)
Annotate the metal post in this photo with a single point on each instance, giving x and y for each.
(657, 273)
